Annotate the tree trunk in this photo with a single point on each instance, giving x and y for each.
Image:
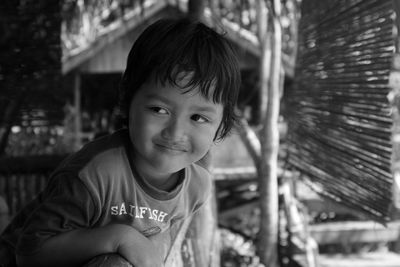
(269, 136)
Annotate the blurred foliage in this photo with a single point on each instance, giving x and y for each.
(45, 140)
(30, 52)
(237, 251)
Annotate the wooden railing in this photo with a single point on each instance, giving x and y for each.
(22, 178)
(19, 189)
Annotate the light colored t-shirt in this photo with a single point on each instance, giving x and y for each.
(98, 186)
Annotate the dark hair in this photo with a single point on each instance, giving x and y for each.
(172, 46)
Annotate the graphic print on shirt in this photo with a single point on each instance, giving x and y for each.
(138, 212)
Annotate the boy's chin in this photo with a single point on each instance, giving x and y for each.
(172, 170)
(173, 166)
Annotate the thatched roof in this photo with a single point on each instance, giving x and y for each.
(340, 120)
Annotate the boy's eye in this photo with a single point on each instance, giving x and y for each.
(199, 118)
(159, 110)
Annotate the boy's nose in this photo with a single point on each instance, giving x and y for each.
(175, 130)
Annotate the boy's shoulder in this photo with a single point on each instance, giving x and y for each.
(200, 181)
(101, 152)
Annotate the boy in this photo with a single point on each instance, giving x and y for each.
(128, 192)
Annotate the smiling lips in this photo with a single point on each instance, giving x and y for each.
(174, 148)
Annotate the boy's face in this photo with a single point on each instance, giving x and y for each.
(170, 129)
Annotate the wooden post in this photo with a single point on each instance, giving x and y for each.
(394, 98)
(269, 135)
(77, 111)
(4, 214)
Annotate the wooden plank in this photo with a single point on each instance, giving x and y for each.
(354, 232)
(318, 205)
(30, 164)
(374, 259)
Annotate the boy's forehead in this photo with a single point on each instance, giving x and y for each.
(184, 80)
(154, 88)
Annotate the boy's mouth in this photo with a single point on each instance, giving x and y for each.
(171, 147)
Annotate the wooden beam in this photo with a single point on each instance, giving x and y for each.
(77, 109)
(366, 259)
(30, 164)
(326, 205)
(354, 232)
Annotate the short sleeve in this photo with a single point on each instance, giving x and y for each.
(205, 161)
(64, 205)
(201, 186)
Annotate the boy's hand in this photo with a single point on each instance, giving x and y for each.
(108, 260)
(139, 250)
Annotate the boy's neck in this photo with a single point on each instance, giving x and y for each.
(161, 181)
(164, 183)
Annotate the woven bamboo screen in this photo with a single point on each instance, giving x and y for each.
(339, 115)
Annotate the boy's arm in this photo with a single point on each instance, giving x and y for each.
(76, 247)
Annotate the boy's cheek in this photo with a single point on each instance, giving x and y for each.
(205, 141)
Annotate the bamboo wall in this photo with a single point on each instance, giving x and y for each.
(339, 115)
